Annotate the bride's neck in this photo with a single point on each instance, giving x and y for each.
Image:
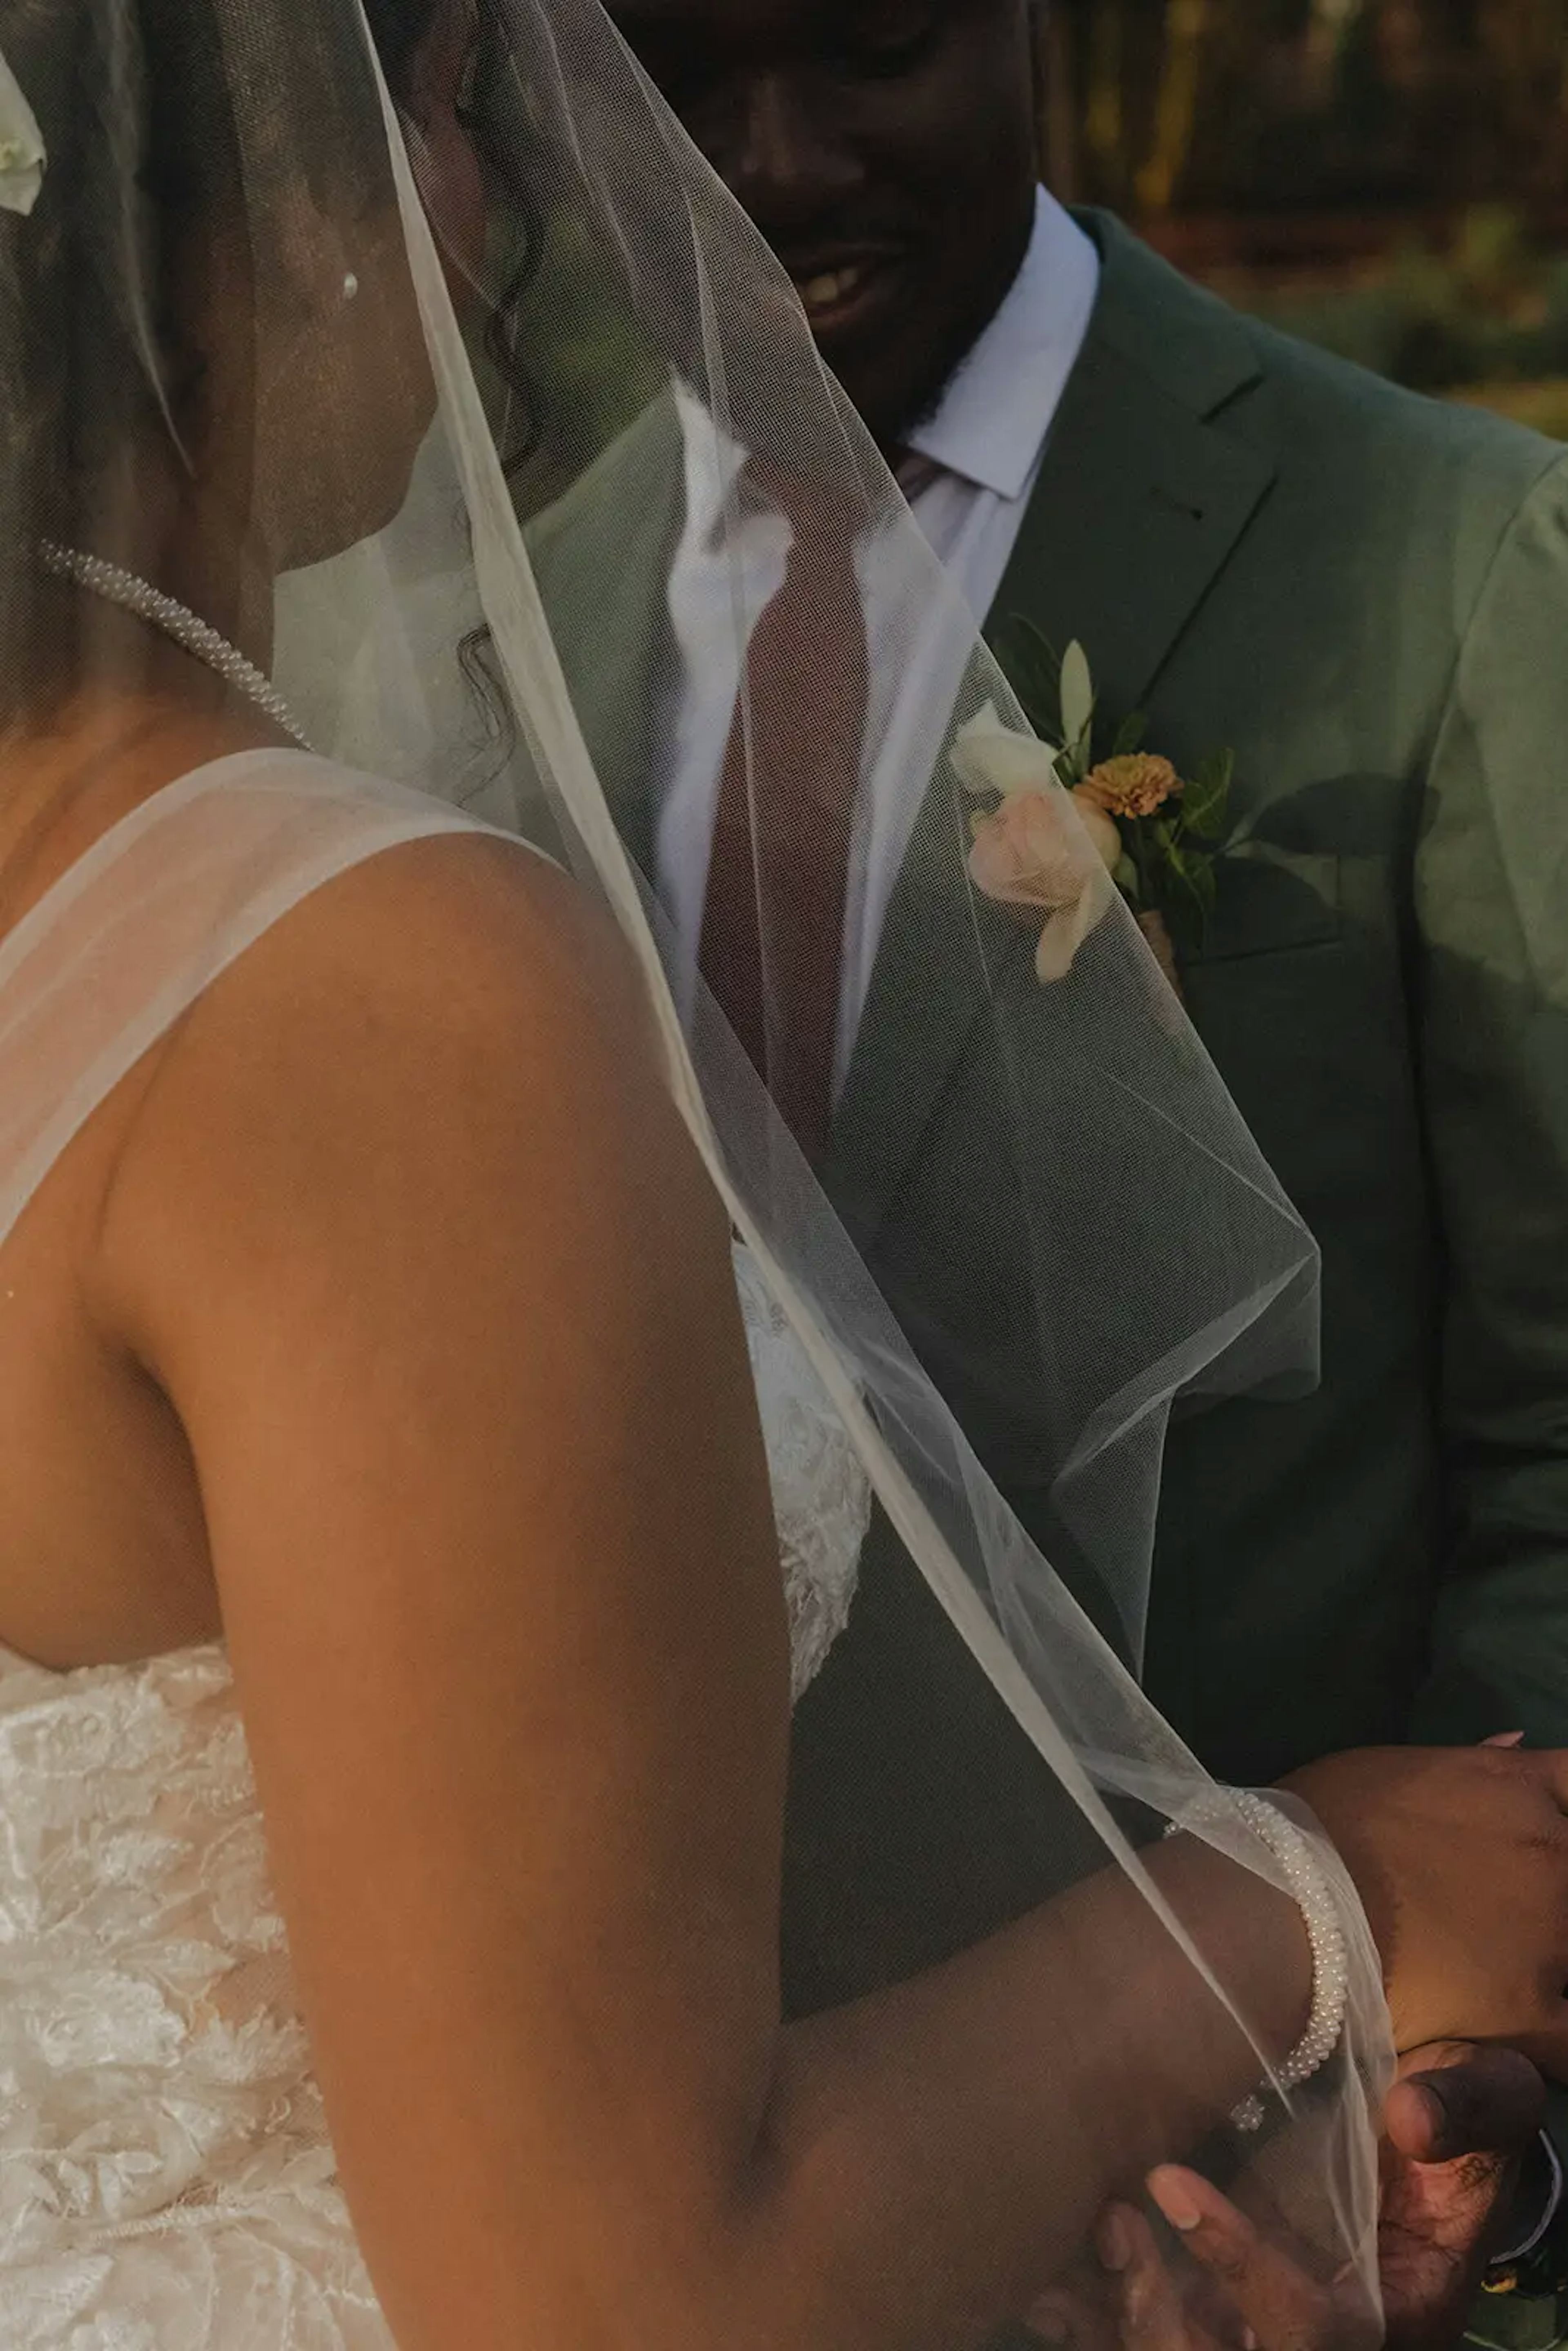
(65, 782)
(192, 535)
(141, 710)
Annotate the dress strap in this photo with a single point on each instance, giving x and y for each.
(164, 902)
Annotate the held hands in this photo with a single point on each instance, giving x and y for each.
(1459, 2118)
(1456, 2125)
(1460, 1858)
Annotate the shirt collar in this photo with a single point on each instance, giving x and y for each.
(992, 421)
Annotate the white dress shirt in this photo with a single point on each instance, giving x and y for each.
(987, 438)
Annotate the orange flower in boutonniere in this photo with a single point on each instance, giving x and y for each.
(1170, 830)
(1135, 783)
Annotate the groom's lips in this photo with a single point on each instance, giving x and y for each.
(842, 292)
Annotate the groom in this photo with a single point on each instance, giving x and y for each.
(1366, 597)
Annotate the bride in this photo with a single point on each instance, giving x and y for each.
(375, 1377)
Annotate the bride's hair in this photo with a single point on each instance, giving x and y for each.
(136, 100)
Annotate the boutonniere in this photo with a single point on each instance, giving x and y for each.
(1160, 833)
(1032, 851)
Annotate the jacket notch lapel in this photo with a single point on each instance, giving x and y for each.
(1140, 499)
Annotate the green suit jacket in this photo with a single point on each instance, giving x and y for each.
(1365, 594)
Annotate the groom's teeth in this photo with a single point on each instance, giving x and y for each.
(832, 286)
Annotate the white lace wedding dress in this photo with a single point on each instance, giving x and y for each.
(166, 2182)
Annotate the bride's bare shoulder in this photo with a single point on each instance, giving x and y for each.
(453, 1021)
(458, 927)
(465, 943)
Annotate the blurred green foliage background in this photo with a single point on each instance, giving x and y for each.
(1387, 177)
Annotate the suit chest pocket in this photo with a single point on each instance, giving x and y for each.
(1271, 899)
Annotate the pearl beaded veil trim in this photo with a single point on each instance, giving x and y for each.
(176, 620)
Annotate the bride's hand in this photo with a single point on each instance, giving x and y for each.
(1247, 2294)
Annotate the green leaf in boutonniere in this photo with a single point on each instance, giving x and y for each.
(1032, 667)
(1077, 701)
(1206, 800)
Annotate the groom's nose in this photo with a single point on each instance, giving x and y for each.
(789, 165)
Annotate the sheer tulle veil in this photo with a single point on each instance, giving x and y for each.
(494, 377)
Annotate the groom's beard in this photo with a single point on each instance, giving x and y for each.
(946, 368)
(761, 414)
(892, 422)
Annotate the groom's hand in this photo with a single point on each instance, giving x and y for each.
(1456, 2126)
(1460, 1857)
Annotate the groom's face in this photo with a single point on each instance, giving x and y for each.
(885, 147)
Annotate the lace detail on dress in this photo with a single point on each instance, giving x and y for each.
(165, 2178)
(166, 2182)
(821, 1495)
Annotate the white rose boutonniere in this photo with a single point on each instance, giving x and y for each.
(21, 157)
(1041, 849)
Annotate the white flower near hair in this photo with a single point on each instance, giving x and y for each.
(22, 156)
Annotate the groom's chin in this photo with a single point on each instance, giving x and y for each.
(897, 362)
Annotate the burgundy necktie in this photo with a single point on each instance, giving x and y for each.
(914, 472)
(774, 917)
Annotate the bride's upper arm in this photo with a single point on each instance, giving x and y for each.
(413, 1239)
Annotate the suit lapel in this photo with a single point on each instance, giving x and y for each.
(1140, 500)
(1141, 495)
